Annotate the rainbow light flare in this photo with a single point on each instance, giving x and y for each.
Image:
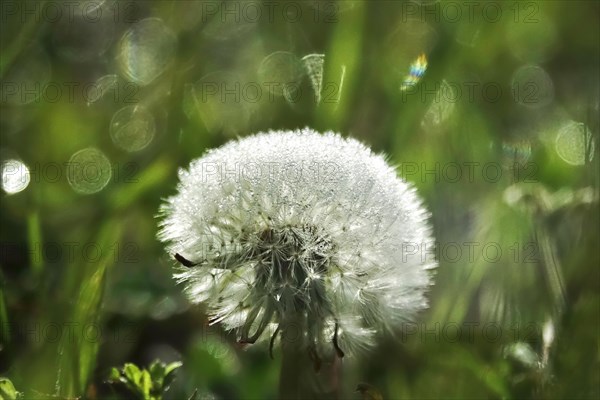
(416, 72)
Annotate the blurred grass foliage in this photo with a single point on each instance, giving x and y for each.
(500, 136)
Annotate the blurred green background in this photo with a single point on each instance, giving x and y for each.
(102, 101)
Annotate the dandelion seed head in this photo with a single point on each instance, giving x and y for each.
(302, 223)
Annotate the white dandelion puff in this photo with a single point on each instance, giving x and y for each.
(300, 226)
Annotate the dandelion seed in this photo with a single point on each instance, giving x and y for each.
(304, 227)
(314, 67)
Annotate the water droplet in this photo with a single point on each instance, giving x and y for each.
(88, 171)
(146, 50)
(573, 142)
(532, 87)
(26, 79)
(15, 176)
(132, 128)
(442, 107)
(314, 67)
(281, 73)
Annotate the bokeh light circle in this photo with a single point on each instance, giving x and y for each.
(88, 171)
(146, 50)
(132, 128)
(15, 176)
(100, 87)
(532, 87)
(573, 142)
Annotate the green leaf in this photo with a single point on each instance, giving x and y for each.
(7, 390)
(194, 396)
(145, 384)
(170, 373)
(87, 313)
(34, 237)
(114, 375)
(148, 384)
(4, 325)
(157, 372)
(78, 352)
(132, 373)
(172, 367)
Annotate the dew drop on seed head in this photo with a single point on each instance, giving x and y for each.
(88, 171)
(132, 128)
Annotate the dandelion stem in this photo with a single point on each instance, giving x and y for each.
(294, 360)
(299, 379)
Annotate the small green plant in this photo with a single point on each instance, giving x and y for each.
(147, 384)
(7, 390)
